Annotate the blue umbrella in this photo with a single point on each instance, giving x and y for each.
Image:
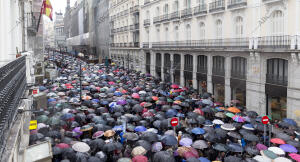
(104, 102)
(140, 129)
(219, 109)
(248, 126)
(169, 140)
(234, 147)
(198, 131)
(203, 159)
(290, 121)
(112, 104)
(51, 99)
(118, 93)
(208, 123)
(96, 100)
(180, 115)
(118, 128)
(66, 116)
(42, 88)
(171, 113)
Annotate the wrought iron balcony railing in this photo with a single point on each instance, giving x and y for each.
(271, 1)
(233, 4)
(146, 45)
(217, 6)
(146, 2)
(156, 19)
(207, 43)
(146, 22)
(32, 20)
(275, 42)
(164, 17)
(12, 88)
(186, 13)
(200, 10)
(175, 15)
(136, 26)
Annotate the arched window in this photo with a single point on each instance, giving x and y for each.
(187, 3)
(157, 11)
(201, 1)
(176, 33)
(202, 30)
(166, 34)
(239, 28)
(176, 6)
(147, 36)
(148, 14)
(219, 29)
(166, 9)
(188, 32)
(158, 35)
(277, 23)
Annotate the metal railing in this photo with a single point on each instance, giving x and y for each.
(164, 17)
(134, 9)
(146, 2)
(32, 20)
(216, 6)
(202, 69)
(145, 44)
(12, 88)
(156, 19)
(200, 10)
(207, 43)
(269, 1)
(236, 4)
(277, 79)
(136, 26)
(175, 15)
(275, 41)
(131, 27)
(186, 13)
(146, 22)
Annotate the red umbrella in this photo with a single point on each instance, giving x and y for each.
(124, 91)
(140, 158)
(148, 114)
(198, 111)
(174, 86)
(74, 81)
(277, 141)
(189, 154)
(70, 87)
(295, 156)
(62, 145)
(135, 95)
(143, 103)
(177, 90)
(68, 84)
(155, 98)
(100, 71)
(111, 83)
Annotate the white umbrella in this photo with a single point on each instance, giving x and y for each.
(81, 147)
(142, 92)
(228, 127)
(276, 150)
(260, 158)
(152, 130)
(65, 111)
(282, 159)
(218, 122)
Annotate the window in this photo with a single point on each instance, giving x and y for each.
(166, 34)
(147, 14)
(219, 29)
(277, 23)
(187, 4)
(158, 35)
(176, 6)
(202, 31)
(201, 1)
(188, 32)
(166, 9)
(176, 33)
(239, 31)
(157, 11)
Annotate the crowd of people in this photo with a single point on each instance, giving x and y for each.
(108, 113)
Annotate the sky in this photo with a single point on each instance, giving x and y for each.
(60, 5)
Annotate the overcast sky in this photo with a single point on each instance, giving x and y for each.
(60, 5)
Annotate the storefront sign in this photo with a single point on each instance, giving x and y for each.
(33, 125)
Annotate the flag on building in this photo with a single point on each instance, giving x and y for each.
(47, 9)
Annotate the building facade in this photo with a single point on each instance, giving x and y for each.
(125, 33)
(246, 50)
(59, 34)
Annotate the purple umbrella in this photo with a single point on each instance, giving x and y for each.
(77, 131)
(261, 147)
(186, 142)
(288, 148)
(121, 102)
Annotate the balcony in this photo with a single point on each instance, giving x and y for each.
(121, 29)
(201, 69)
(146, 22)
(175, 15)
(125, 28)
(131, 27)
(187, 13)
(146, 2)
(146, 45)
(200, 10)
(227, 43)
(136, 26)
(32, 20)
(156, 20)
(275, 42)
(134, 9)
(236, 4)
(238, 74)
(217, 6)
(271, 1)
(164, 18)
(136, 44)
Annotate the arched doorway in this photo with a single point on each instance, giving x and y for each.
(202, 73)
(238, 79)
(158, 65)
(218, 79)
(148, 63)
(188, 70)
(176, 68)
(276, 87)
(167, 67)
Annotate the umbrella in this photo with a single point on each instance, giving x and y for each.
(220, 115)
(174, 86)
(220, 147)
(140, 129)
(98, 134)
(238, 119)
(81, 147)
(53, 121)
(228, 127)
(277, 141)
(199, 144)
(252, 150)
(145, 144)
(290, 121)
(295, 156)
(276, 150)
(135, 95)
(56, 150)
(294, 143)
(171, 113)
(268, 154)
(169, 140)
(198, 131)
(230, 115)
(109, 147)
(157, 146)
(252, 114)
(233, 110)
(260, 158)
(42, 119)
(248, 126)
(260, 146)
(218, 122)
(186, 142)
(131, 136)
(234, 135)
(283, 136)
(139, 150)
(62, 145)
(86, 128)
(288, 148)
(149, 136)
(163, 156)
(109, 133)
(282, 159)
(251, 137)
(140, 158)
(231, 159)
(124, 160)
(203, 159)
(234, 147)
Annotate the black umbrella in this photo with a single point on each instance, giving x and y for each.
(192, 115)
(234, 135)
(177, 107)
(149, 136)
(163, 156)
(252, 114)
(108, 147)
(56, 150)
(81, 156)
(96, 144)
(131, 136)
(283, 136)
(252, 150)
(169, 140)
(232, 158)
(145, 144)
(234, 147)
(220, 147)
(200, 119)
(94, 159)
(251, 137)
(221, 132)
(54, 134)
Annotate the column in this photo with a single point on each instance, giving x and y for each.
(227, 80)
(209, 73)
(162, 67)
(172, 67)
(195, 71)
(182, 69)
(142, 61)
(153, 63)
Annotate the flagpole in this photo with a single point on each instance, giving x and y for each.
(38, 25)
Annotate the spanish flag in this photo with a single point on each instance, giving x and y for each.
(47, 9)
